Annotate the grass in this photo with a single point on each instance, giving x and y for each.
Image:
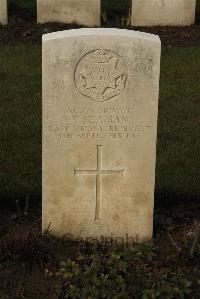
(118, 6)
(29, 4)
(178, 148)
(178, 160)
(20, 115)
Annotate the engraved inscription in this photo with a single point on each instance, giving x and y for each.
(101, 75)
(98, 172)
(99, 123)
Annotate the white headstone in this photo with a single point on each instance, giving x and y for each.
(163, 12)
(100, 104)
(3, 12)
(82, 12)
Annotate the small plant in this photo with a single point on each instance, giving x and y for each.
(131, 273)
(190, 247)
(192, 244)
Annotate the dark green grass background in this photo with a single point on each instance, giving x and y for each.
(178, 148)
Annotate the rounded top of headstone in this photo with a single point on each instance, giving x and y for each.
(101, 32)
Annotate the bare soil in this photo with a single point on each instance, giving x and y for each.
(30, 32)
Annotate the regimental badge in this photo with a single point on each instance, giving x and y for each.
(101, 75)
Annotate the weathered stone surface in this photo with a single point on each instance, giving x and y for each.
(82, 12)
(100, 102)
(163, 12)
(3, 12)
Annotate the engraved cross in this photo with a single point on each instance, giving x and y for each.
(99, 172)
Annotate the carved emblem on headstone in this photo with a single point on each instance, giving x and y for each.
(101, 75)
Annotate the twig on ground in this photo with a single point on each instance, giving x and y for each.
(173, 242)
(195, 241)
(26, 206)
(18, 208)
